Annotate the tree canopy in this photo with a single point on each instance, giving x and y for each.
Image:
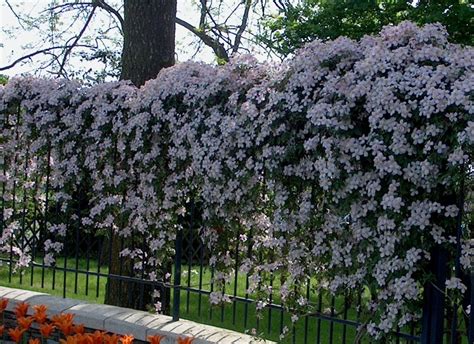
(328, 19)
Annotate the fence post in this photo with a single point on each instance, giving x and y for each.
(177, 274)
(471, 288)
(434, 300)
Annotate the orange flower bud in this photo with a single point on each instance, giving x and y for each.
(128, 339)
(25, 322)
(156, 339)
(21, 309)
(40, 314)
(3, 304)
(185, 340)
(16, 334)
(46, 330)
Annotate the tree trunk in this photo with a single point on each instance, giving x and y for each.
(148, 47)
(148, 39)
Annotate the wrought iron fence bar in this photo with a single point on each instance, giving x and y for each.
(270, 300)
(293, 334)
(201, 268)
(144, 268)
(247, 281)
(37, 235)
(320, 308)
(281, 320)
(212, 289)
(344, 328)
(188, 273)
(177, 275)
(306, 319)
(46, 204)
(236, 276)
(471, 314)
(222, 308)
(76, 259)
(23, 211)
(87, 268)
(331, 322)
(260, 260)
(121, 263)
(10, 268)
(99, 263)
(109, 258)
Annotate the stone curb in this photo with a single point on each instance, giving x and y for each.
(127, 321)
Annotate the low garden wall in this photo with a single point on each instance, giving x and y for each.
(124, 321)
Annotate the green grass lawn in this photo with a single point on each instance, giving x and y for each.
(238, 316)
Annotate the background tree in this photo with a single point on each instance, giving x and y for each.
(84, 39)
(148, 39)
(328, 19)
(148, 46)
(95, 31)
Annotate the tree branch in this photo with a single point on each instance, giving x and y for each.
(15, 14)
(214, 44)
(202, 19)
(37, 52)
(78, 37)
(96, 3)
(105, 6)
(243, 26)
(280, 5)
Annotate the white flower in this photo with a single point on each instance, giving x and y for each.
(458, 157)
(455, 283)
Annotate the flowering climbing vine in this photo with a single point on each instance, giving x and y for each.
(344, 163)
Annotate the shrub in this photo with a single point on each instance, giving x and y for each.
(345, 162)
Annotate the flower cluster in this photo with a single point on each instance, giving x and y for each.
(344, 162)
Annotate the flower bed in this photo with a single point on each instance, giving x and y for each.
(38, 328)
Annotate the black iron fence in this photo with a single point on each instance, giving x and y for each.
(83, 270)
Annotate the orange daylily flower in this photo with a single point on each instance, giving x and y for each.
(185, 340)
(67, 328)
(69, 340)
(111, 339)
(62, 318)
(40, 314)
(64, 322)
(79, 329)
(97, 337)
(40, 308)
(25, 322)
(78, 339)
(156, 339)
(34, 341)
(16, 334)
(40, 318)
(21, 309)
(128, 339)
(46, 330)
(3, 304)
(87, 338)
